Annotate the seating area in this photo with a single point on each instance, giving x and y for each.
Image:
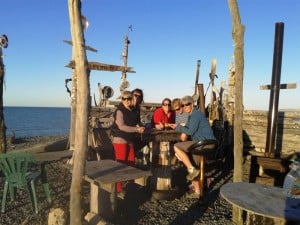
(17, 172)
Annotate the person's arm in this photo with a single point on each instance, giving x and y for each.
(191, 127)
(156, 120)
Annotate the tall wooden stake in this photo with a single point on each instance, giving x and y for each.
(2, 123)
(275, 90)
(82, 103)
(238, 38)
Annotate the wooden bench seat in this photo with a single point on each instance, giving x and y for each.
(102, 176)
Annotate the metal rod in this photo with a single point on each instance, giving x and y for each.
(275, 89)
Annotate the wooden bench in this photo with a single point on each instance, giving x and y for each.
(103, 176)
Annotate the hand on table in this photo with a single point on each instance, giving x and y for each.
(140, 130)
(173, 125)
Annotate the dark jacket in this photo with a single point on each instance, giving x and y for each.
(130, 118)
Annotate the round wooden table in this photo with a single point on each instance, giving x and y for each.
(161, 143)
(263, 200)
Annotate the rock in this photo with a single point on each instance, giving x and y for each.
(57, 217)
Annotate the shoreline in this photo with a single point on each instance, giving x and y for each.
(36, 144)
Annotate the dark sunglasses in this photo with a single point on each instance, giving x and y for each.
(167, 104)
(129, 99)
(187, 104)
(137, 96)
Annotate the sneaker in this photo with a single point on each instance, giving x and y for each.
(193, 174)
(121, 195)
(193, 194)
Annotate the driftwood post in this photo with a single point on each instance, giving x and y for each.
(82, 101)
(199, 88)
(238, 38)
(2, 123)
(213, 106)
(271, 150)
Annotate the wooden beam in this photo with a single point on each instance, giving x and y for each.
(103, 67)
(85, 46)
(282, 86)
(146, 104)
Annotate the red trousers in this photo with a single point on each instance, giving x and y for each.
(124, 153)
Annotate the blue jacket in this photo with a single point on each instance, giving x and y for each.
(197, 127)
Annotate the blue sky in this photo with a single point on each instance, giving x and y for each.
(167, 39)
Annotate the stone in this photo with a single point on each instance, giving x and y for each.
(57, 217)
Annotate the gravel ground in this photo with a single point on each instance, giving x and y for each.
(138, 207)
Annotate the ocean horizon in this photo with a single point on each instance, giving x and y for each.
(36, 121)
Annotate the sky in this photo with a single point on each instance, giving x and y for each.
(166, 40)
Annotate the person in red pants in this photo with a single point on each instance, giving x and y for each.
(125, 130)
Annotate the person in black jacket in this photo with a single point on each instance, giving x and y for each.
(124, 131)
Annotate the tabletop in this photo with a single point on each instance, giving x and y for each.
(264, 200)
(161, 135)
(53, 156)
(110, 171)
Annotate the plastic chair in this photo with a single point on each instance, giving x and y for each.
(202, 149)
(17, 175)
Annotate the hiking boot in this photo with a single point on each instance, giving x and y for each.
(193, 174)
(193, 194)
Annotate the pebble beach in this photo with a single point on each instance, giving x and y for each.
(137, 207)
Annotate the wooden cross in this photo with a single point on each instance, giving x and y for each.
(275, 89)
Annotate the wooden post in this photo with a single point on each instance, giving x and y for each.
(213, 99)
(197, 76)
(238, 38)
(201, 98)
(82, 101)
(275, 87)
(2, 123)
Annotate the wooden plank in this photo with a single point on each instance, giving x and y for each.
(53, 156)
(85, 46)
(146, 104)
(110, 171)
(280, 165)
(282, 86)
(104, 67)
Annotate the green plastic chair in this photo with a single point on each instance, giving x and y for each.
(17, 175)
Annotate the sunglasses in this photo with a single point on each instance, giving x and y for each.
(137, 96)
(187, 104)
(177, 109)
(166, 104)
(129, 99)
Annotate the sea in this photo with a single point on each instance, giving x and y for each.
(36, 121)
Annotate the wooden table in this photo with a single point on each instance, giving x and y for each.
(102, 176)
(53, 156)
(263, 200)
(161, 144)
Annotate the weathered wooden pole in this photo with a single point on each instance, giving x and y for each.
(125, 56)
(201, 98)
(82, 112)
(275, 89)
(3, 43)
(238, 38)
(197, 76)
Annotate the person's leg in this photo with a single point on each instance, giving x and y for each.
(121, 155)
(120, 151)
(130, 155)
(181, 149)
(182, 156)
